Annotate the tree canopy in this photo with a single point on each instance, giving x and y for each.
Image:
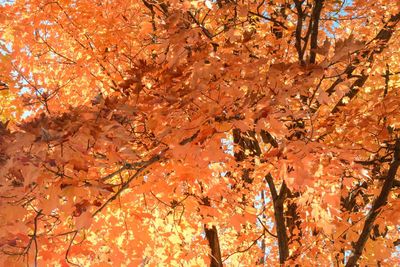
(195, 133)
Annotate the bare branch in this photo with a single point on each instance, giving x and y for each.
(69, 248)
(245, 249)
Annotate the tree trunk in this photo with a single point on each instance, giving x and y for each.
(213, 241)
(278, 200)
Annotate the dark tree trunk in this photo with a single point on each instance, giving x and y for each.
(212, 237)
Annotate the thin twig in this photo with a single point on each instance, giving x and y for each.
(127, 183)
(69, 248)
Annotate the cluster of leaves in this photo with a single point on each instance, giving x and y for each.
(191, 133)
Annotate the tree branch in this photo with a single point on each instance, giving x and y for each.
(126, 184)
(245, 249)
(376, 207)
(3, 86)
(314, 32)
(278, 201)
(202, 27)
(382, 38)
(299, 26)
(277, 22)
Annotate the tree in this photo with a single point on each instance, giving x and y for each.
(192, 133)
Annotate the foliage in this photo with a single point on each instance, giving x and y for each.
(192, 133)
